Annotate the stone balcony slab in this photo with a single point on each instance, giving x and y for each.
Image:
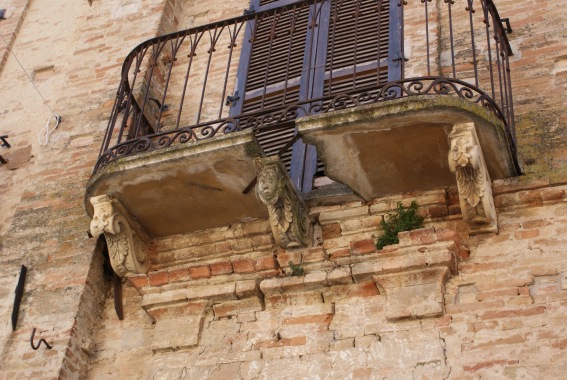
(187, 187)
(402, 145)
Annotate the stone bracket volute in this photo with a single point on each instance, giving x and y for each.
(473, 181)
(127, 243)
(289, 216)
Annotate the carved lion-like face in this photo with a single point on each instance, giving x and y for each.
(267, 187)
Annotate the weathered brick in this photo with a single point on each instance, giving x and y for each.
(314, 255)
(223, 267)
(553, 194)
(331, 230)
(513, 313)
(361, 247)
(158, 278)
(347, 213)
(244, 265)
(139, 281)
(488, 364)
(336, 253)
(266, 262)
(308, 319)
(180, 274)
(530, 234)
(296, 341)
(284, 258)
(230, 308)
(423, 236)
(200, 271)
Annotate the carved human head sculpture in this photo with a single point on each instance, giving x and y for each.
(268, 184)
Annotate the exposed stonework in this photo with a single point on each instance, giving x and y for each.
(127, 244)
(504, 313)
(289, 217)
(473, 181)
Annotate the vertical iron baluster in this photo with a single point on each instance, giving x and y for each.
(356, 15)
(113, 116)
(310, 63)
(293, 17)
(379, 9)
(451, 39)
(155, 54)
(503, 55)
(427, 36)
(253, 24)
(233, 34)
(489, 48)
(335, 9)
(511, 121)
(194, 42)
(471, 10)
(174, 49)
(126, 110)
(273, 35)
(498, 47)
(402, 45)
(214, 39)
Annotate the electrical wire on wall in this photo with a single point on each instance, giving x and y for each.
(43, 135)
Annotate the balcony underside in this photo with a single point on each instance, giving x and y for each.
(402, 145)
(186, 187)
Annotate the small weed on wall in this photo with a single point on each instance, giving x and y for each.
(296, 270)
(403, 219)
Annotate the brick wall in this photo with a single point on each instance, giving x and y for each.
(73, 52)
(221, 303)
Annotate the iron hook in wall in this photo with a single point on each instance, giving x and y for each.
(49, 347)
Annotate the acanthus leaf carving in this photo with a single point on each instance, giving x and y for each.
(289, 218)
(126, 247)
(473, 181)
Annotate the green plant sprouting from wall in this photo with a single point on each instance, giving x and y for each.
(296, 270)
(403, 219)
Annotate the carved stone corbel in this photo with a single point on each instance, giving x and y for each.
(473, 181)
(289, 217)
(127, 245)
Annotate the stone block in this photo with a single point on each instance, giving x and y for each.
(315, 279)
(164, 298)
(212, 292)
(271, 285)
(340, 276)
(337, 215)
(176, 333)
(314, 255)
(292, 283)
(414, 293)
(230, 308)
(246, 288)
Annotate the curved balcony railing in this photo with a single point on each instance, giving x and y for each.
(266, 68)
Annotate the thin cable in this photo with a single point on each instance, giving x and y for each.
(30, 79)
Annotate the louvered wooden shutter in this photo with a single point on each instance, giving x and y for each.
(275, 70)
(358, 38)
(357, 49)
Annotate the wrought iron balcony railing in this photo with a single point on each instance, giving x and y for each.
(286, 59)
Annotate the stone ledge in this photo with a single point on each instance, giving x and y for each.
(410, 276)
